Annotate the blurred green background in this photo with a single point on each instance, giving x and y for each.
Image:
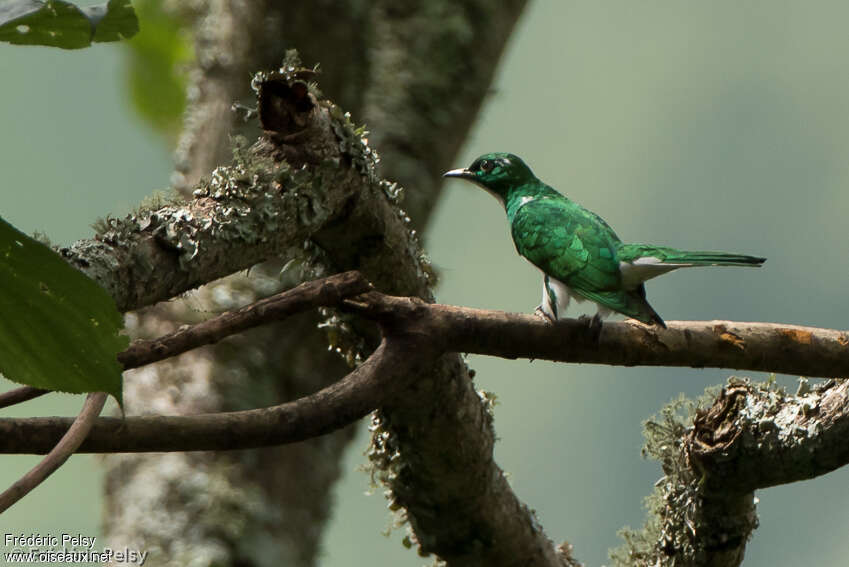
(706, 125)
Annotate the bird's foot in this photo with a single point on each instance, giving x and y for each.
(540, 312)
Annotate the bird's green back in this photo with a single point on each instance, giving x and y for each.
(563, 239)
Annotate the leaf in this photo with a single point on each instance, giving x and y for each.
(119, 21)
(59, 330)
(156, 68)
(57, 23)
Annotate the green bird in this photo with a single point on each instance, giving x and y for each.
(579, 254)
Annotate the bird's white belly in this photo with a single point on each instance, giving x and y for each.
(555, 307)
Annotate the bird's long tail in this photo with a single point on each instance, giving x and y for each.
(640, 253)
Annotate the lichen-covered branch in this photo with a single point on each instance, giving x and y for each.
(281, 362)
(749, 436)
(686, 525)
(756, 436)
(234, 39)
(258, 208)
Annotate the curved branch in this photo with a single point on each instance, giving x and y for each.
(66, 447)
(396, 362)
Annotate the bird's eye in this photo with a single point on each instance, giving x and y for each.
(487, 165)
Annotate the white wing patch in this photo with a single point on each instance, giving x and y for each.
(642, 269)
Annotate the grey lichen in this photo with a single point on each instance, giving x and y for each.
(668, 535)
(244, 213)
(342, 338)
(384, 466)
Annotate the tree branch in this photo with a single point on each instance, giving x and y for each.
(234, 39)
(19, 395)
(325, 292)
(756, 436)
(381, 376)
(427, 331)
(63, 449)
(765, 347)
(273, 198)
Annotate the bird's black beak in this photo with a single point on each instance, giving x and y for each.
(459, 173)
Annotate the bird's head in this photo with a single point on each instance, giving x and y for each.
(498, 173)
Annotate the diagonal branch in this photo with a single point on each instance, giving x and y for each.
(309, 295)
(65, 447)
(19, 395)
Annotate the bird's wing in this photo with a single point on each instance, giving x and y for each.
(569, 243)
(631, 302)
(576, 247)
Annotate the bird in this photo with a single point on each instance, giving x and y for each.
(580, 256)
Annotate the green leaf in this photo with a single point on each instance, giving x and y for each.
(156, 68)
(119, 21)
(59, 330)
(57, 23)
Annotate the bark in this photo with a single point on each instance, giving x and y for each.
(234, 39)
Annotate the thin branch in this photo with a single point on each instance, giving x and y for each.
(60, 453)
(324, 292)
(19, 395)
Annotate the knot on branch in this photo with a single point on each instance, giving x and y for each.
(284, 97)
(714, 429)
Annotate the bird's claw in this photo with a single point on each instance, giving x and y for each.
(540, 312)
(593, 324)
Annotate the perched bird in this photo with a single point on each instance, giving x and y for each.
(579, 254)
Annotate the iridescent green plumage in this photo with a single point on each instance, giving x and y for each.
(576, 249)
